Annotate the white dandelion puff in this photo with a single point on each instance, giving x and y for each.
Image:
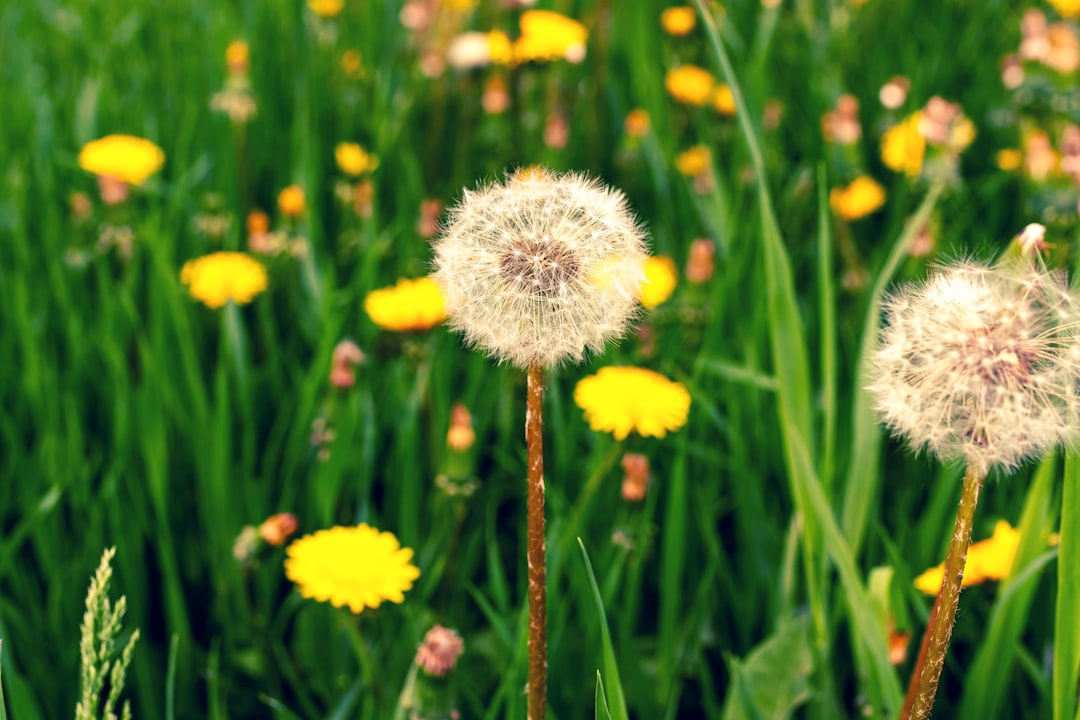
(981, 363)
(542, 268)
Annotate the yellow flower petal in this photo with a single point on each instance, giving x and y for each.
(903, 147)
(220, 277)
(989, 559)
(621, 400)
(408, 305)
(660, 280)
(124, 157)
(357, 567)
(690, 84)
(862, 197)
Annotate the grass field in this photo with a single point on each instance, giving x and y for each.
(769, 570)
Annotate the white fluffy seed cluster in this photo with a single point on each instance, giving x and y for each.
(542, 268)
(982, 363)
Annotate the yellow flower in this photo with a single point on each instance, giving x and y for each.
(502, 52)
(903, 146)
(351, 63)
(694, 161)
(862, 197)
(124, 157)
(989, 559)
(679, 20)
(354, 160)
(326, 8)
(291, 201)
(1067, 8)
(222, 276)
(408, 305)
(621, 400)
(660, 279)
(236, 56)
(1009, 159)
(723, 100)
(547, 35)
(357, 567)
(690, 84)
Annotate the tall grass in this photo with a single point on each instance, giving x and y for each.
(134, 417)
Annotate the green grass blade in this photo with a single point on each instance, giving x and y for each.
(611, 667)
(600, 701)
(860, 487)
(786, 338)
(868, 626)
(827, 321)
(1067, 621)
(3, 712)
(988, 679)
(170, 677)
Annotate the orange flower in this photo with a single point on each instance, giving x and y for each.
(291, 201)
(863, 196)
(690, 85)
(678, 20)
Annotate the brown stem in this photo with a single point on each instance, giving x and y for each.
(935, 642)
(537, 548)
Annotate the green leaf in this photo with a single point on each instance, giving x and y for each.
(1067, 623)
(774, 679)
(3, 712)
(987, 682)
(600, 701)
(611, 668)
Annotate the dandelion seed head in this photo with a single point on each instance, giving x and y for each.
(981, 363)
(542, 268)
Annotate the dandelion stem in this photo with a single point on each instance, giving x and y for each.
(536, 553)
(935, 642)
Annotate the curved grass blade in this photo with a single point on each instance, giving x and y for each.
(1067, 622)
(611, 668)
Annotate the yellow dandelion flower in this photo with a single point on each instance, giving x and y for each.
(124, 157)
(690, 84)
(989, 559)
(223, 276)
(352, 63)
(357, 567)
(693, 162)
(1009, 159)
(621, 400)
(547, 35)
(326, 8)
(723, 100)
(1066, 8)
(237, 56)
(408, 305)
(500, 48)
(660, 280)
(862, 197)
(461, 5)
(679, 20)
(903, 147)
(291, 201)
(353, 159)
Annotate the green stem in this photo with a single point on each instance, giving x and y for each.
(537, 547)
(935, 642)
(363, 653)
